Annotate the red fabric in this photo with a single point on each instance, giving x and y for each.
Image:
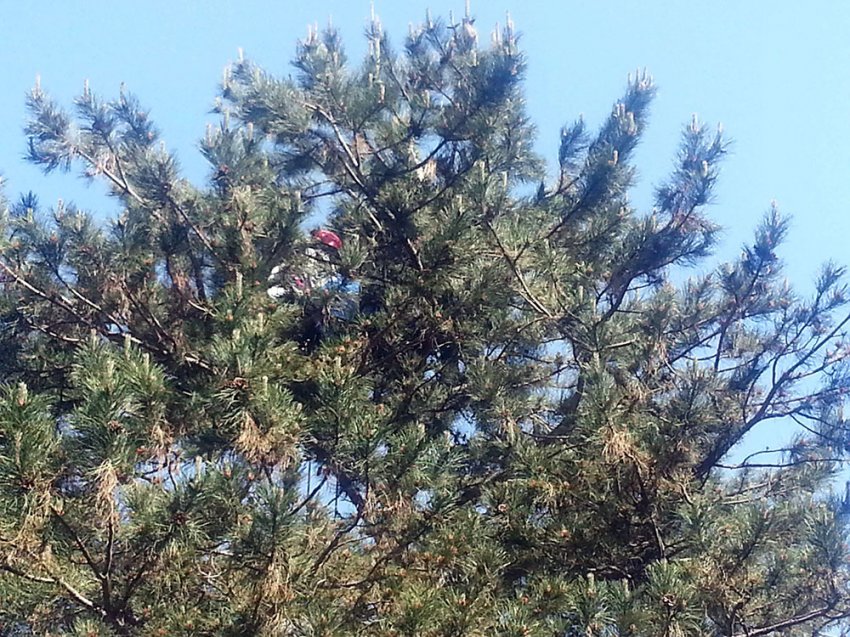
(330, 239)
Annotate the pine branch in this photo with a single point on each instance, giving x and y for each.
(794, 621)
(788, 376)
(54, 579)
(529, 297)
(95, 569)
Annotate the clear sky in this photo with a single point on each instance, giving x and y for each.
(775, 73)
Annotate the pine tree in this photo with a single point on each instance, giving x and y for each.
(485, 400)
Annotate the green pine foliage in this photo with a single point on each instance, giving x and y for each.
(506, 410)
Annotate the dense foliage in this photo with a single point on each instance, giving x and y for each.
(501, 407)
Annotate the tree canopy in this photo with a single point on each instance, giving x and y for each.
(488, 397)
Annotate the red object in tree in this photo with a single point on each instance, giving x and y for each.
(330, 239)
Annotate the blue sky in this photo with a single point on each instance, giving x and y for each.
(777, 76)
